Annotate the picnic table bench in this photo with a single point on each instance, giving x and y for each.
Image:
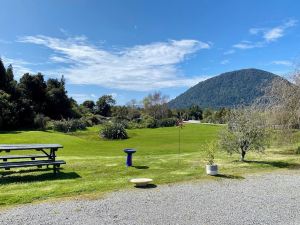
(49, 155)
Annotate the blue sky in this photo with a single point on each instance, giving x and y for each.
(134, 47)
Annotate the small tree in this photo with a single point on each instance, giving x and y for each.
(246, 131)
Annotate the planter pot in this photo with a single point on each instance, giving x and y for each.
(212, 170)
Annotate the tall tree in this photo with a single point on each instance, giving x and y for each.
(33, 88)
(156, 106)
(104, 105)
(58, 105)
(10, 82)
(2, 76)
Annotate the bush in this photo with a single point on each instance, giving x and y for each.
(168, 122)
(297, 151)
(149, 122)
(135, 125)
(40, 122)
(69, 125)
(114, 131)
(94, 119)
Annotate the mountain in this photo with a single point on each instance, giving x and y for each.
(226, 90)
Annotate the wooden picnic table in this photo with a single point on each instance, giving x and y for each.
(48, 150)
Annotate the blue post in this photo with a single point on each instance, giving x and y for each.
(129, 152)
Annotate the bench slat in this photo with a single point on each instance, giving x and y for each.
(30, 163)
(22, 156)
(28, 146)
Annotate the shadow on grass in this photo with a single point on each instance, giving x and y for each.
(141, 167)
(10, 132)
(284, 152)
(228, 176)
(278, 164)
(148, 186)
(5, 179)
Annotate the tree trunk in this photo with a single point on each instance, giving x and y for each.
(243, 153)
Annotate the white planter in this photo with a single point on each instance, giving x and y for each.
(212, 170)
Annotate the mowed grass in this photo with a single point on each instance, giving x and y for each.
(96, 166)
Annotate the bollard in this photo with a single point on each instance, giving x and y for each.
(129, 152)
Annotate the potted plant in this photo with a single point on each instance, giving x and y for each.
(211, 167)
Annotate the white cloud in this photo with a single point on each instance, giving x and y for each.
(282, 62)
(274, 33)
(255, 31)
(225, 61)
(229, 52)
(266, 34)
(248, 45)
(82, 97)
(19, 66)
(141, 67)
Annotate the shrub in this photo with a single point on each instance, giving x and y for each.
(40, 122)
(95, 119)
(168, 122)
(135, 125)
(69, 125)
(297, 151)
(114, 131)
(149, 122)
(210, 152)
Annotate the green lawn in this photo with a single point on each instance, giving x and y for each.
(95, 166)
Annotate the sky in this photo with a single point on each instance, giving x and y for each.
(130, 48)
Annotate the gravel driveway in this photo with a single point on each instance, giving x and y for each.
(264, 199)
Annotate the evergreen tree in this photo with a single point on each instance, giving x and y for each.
(2, 76)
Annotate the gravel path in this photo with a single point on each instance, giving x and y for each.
(266, 199)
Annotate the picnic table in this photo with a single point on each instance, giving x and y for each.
(48, 156)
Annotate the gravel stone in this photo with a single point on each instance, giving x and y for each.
(260, 199)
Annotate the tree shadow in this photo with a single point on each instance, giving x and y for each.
(285, 152)
(278, 164)
(38, 177)
(148, 186)
(141, 167)
(10, 132)
(229, 176)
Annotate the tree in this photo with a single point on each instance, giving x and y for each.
(33, 88)
(10, 82)
(8, 118)
(246, 131)
(104, 104)
(58, 104)
(156, 106)
(134, 111)
(281, 105)
(195, 112)
(2, 76)
(208, 115)
(89, 104)
(120, 112)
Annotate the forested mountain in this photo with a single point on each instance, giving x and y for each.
(226, 90)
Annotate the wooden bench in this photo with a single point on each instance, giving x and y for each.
(39, 163)
(32, 157)
(49, 151)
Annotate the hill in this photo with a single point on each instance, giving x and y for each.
(226, 90)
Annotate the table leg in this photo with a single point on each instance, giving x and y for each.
(52, 153)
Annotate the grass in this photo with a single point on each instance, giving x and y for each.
(96, 166)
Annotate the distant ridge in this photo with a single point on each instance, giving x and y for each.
(226, 90)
